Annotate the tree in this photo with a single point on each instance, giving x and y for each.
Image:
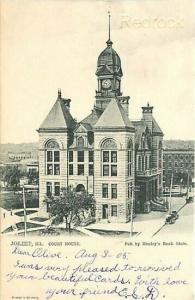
(71, 206)
(12, 176)
(33, 176)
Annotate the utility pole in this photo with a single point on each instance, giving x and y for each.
(132, 208)
(187, 186)
(24, 206)
(170, 201)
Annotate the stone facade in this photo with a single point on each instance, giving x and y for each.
(106, 153)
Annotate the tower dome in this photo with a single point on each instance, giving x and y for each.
(110, 60)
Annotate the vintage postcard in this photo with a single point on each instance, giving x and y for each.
(97, 149)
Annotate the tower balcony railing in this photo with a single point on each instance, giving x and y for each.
(150, 172)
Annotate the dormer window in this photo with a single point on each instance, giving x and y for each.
(80, 142)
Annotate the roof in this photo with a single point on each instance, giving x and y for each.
(59, 117)
(156, 127)
(83, 126)
(110, 58)
(114, 117)
(140, 128)
(92, 118)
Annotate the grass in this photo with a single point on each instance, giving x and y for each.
(20, 226)
(10, 200)
(57, 232)
(28, 212)
(111, 233)
(39, 219)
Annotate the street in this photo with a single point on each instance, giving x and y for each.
(152, 224)
(182, 227)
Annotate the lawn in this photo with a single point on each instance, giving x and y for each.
(39, 219)
(111, 233)
(20, 226)
(56, 232)
(10, 200)
(28, 212)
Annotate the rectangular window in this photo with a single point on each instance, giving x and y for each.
(90, 156)
(146, 163)
(105, 156)
(105, 170)
(80, 156)
(113, 170)
(70, 169)
(80, 169)
(143, 159)
(130, 190)
(56, 189)
(49, 156)
(56, 156)
(114, 156)
(160, 163)
(90, 169)
(70, 156)
(49, 169)
(129, 156)
(104, 190)
(114, 210)
(114, 191)
(49, 189)
(56, 169)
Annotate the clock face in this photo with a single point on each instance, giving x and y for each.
(106, 83)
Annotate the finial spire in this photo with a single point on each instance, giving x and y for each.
(109, 25)
(109, 42)
(59, 94)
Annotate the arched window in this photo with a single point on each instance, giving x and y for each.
(130, 157)
(52, 158)
(109, 158)
(143, 143)
(80, 142)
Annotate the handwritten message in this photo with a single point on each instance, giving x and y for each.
(79, 273)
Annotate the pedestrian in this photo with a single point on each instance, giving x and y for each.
(11, 212)
(4, 215)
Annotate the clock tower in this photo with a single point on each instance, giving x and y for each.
(109, 73)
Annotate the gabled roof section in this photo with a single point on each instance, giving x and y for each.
(140, 128)
(156, 127)
(114, 117)
(92, 118)
(58, 118)
(83, 127)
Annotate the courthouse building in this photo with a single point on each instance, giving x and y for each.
(107, 154)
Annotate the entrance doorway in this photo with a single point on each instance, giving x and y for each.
(105, 211)
(80, 188)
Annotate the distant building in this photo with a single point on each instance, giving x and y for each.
(32, 166)
(12, 156)
(180, 162)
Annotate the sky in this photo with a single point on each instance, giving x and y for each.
(51, 44)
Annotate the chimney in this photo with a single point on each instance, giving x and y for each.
(147, 115)
(66, 102)
(124, 101)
